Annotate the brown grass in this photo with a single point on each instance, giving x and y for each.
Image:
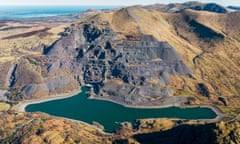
(215, 61)
(27, 34)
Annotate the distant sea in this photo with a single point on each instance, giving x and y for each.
(18, 12)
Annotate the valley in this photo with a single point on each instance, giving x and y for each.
(157, 56)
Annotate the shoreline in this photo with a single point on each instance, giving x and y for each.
(82, 122)
(23, 104)
(219, 114)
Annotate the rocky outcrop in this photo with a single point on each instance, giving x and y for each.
(90, 32)
(25, 74)
(36, 77)
(203, 89)
(7, 78)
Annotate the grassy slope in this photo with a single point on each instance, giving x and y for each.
(207, 42)
(40, 128)
(17, 38)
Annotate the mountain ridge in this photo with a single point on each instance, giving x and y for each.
(194, 5)
(133, 56)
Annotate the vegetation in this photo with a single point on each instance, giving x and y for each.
(15, 94)
(207, 42)
(41, 128)
(4, 106)
(228, 132)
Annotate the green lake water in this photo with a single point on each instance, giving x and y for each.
(109, 114)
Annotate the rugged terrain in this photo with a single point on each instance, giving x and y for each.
(159, 55)
(194, 5)
(39, 128)
(181, 58)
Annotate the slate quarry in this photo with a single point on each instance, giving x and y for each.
(122, 70)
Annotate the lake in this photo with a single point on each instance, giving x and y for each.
(109, 114)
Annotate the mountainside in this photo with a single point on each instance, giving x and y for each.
(116, 53)
(155, 56)
(237, 8)
(41, 128)
(44, 129)
(194, 5)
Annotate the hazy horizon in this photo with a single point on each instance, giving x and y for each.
(103, 2)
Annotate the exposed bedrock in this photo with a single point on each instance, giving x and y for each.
(90, 32)
(134, 70)
(7, 76)
(50, 86)
(203, 89)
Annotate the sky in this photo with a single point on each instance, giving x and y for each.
(106, 2)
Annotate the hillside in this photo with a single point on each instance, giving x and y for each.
(194, 5)
(196, 52)
(117, 51)
(44, 129)
(134, 56)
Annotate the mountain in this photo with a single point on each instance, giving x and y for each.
(234, 8)
(194, 5)
(116, 53)
(135, 56)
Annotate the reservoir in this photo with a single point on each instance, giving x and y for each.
(109, 114)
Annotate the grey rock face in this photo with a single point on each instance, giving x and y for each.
(53, 67)
(56, 83)
(90, 32)
(30, 89)
(12, 75)
(142, 64)
(7, 76)
(62, 47)
(49, 85)
(132, 71)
